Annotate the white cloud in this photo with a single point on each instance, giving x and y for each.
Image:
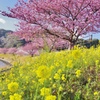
(2, 21)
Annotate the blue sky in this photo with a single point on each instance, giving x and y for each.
(9, 23)
(5, 22)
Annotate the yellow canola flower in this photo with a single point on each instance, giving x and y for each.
(63, 77)
(60, 88)
(50, 97)
(96, 93)
(13, 86)
(7, 80)
(57, 76)
(57, 64)
(15, 97)
(54, 85)
(52, 67)
(76, 54)
(4, 93)
(59, 71)
(78, 73)
(97, 62)
(70, 64)
(45, 91)
(43, 72)
(89, 79)
(41, 80)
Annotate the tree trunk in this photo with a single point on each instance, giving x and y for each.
(71, 45)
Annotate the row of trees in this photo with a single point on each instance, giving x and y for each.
(88, 43)
(36, 47)
(57, 19)
(20, 51)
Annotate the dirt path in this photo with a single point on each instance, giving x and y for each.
(5, 62)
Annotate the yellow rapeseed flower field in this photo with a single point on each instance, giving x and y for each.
(65, 75)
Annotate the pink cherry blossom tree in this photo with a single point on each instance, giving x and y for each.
(45, 41)
(31, 49)
(64, 19)
(3, 50)
(12, 51)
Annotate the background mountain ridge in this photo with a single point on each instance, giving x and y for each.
(9, 40)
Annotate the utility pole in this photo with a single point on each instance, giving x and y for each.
(91, 36)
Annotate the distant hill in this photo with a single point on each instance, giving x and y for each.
(4, 33)
(8, 39)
